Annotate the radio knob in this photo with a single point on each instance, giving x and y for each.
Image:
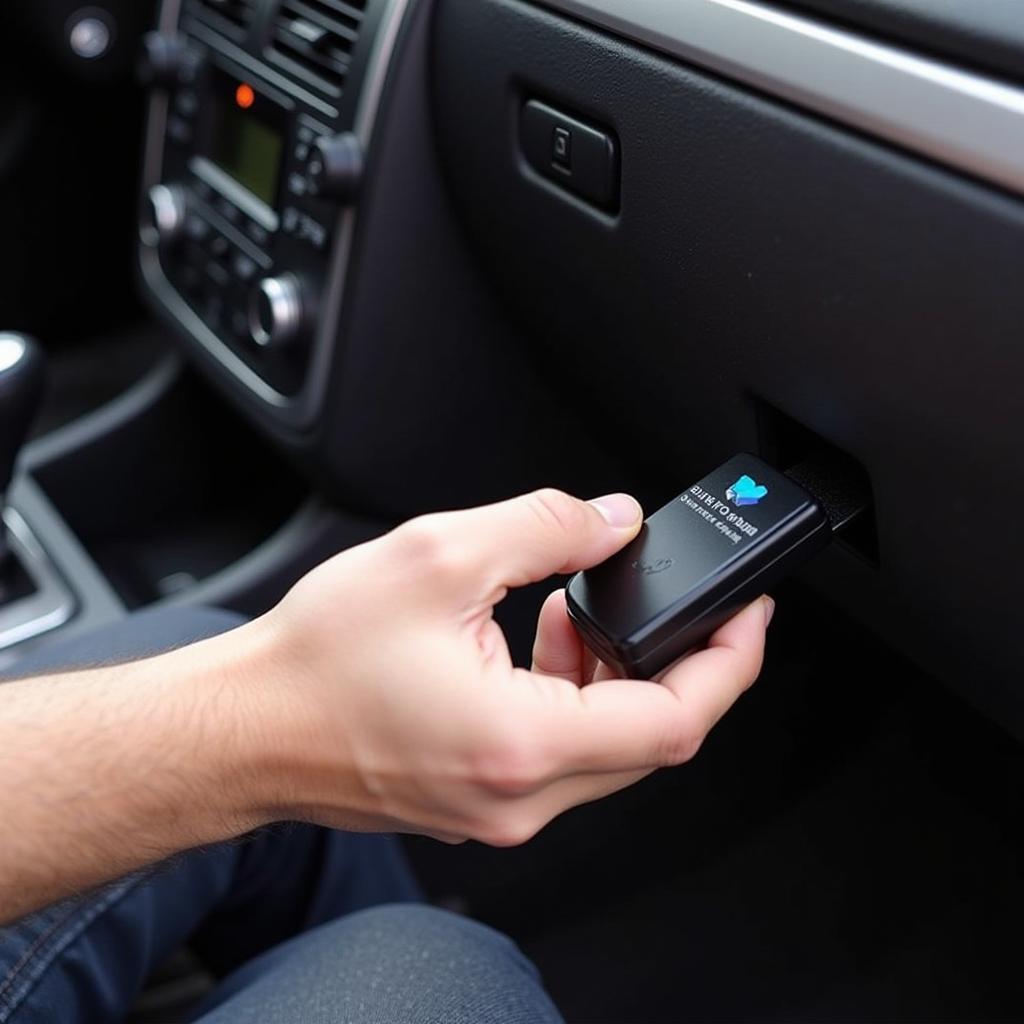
(276, 313)
(163, 62)
(335, 167)
(167, 207)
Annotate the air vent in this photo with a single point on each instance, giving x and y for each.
(230, 16)
(314, 39)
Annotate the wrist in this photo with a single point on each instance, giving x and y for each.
(273, 752)
(222, 692)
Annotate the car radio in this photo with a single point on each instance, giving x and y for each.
(259, 117)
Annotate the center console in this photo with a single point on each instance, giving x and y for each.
(260, 115)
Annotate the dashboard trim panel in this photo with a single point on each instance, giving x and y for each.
(959, 118)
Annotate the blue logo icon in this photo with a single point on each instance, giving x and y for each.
(746, 492)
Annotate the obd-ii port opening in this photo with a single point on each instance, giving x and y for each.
(835, 477)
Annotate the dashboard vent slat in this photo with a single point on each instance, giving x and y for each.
(231, 17)
(314, 40)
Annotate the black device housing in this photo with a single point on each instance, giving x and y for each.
(695, 563)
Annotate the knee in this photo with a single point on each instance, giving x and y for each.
(429, 958)
(419, 934)
(401, 963)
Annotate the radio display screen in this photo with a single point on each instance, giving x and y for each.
(245, 142)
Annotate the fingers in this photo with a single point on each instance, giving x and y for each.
(558, 650)
(621, 726)
(533, 537)
(526, 539)
(713, 679)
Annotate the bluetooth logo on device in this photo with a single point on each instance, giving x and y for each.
(746, 492)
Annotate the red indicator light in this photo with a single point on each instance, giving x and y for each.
(244, 96)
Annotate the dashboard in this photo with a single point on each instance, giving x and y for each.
(608, 243)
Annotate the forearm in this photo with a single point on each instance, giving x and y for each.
(108, 770)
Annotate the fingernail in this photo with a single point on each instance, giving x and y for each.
(769, 610)
(619, 510)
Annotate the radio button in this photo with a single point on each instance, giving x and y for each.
(258, 233)
(186, 103)
(303, 227)
(313, 232)
(243, 268)
(191, 65)
(219, 246)
(196, 229)
(179, 130)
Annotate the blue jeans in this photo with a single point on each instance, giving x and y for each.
(303, 924)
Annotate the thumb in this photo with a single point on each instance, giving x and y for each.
(530, 538)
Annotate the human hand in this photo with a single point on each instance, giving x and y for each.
(384, 695)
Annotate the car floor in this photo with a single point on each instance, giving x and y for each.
(846, 847)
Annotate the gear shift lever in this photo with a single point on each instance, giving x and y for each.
(21, 388)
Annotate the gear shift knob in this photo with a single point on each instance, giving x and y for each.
(21, 388)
